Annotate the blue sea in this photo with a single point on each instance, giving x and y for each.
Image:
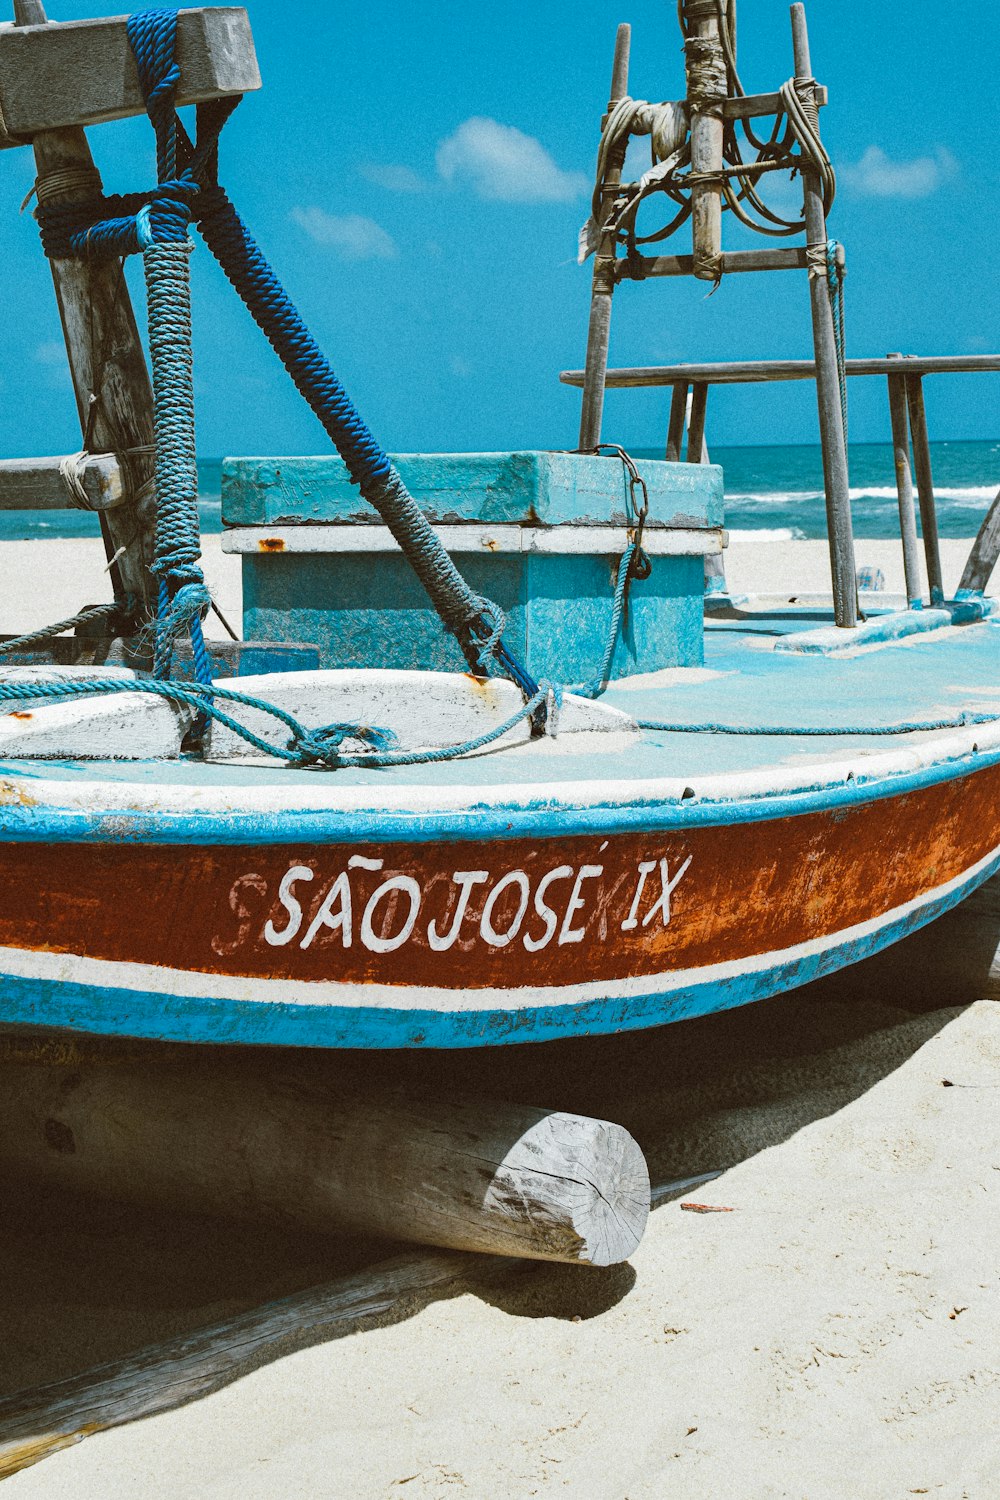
(776, 492)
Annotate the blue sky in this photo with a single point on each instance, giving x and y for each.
(418, 173)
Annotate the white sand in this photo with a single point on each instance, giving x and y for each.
(834, 1337)
(73, 574)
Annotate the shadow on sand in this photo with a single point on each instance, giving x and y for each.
(171, 1307)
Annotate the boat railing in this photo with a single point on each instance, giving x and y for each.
(689, 385)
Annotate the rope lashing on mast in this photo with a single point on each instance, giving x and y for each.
(188, 191)
(666, 124)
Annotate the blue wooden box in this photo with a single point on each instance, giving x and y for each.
(540, 533)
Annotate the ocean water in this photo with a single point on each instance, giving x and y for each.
(774, 491)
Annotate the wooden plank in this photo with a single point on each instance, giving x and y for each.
(740, 372)
(252, 1140)
(732, 262)
(39, 483)
(985, 552)
(76, 73)
(749, 106)
(471, 538)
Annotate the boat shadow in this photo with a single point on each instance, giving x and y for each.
(157, 1309)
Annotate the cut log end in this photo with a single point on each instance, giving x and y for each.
(570, 1189)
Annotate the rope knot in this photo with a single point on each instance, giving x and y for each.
(321, 747)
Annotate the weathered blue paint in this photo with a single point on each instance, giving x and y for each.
(886, 628)
(368, 610)
(159, 1016)
(526, 488)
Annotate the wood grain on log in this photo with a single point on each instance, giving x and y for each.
(247, 1141)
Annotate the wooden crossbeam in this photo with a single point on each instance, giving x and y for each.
(748, 372)
(83, 72)
(750, 106)
(40, 484)
(641, 267)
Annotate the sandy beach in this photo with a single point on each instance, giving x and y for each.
(832, 1336)
(74, 573)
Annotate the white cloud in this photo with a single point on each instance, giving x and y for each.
(501, 162)
(877, 176)
(393, 176)
(352, 235)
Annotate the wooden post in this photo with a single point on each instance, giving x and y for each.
(904, 487)
(706, 91)
(678, 417)
(696, 423)
(925, 486)
(602, 291)
(985, 551)
(251, 1138)
(831, 423)
(113, 394)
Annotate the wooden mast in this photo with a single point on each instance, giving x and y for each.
(113, 393)
(599, 331)
(831, 422)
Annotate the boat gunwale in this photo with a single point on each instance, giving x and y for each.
(36, 809)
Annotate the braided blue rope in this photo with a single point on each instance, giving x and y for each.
(964, 720)
(306, 747)
(595, 689)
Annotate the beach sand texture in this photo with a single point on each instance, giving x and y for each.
(833, 1337)
(73, 574)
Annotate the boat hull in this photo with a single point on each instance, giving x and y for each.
(339, 938)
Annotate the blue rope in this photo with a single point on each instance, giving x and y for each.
(595, 689)
(306, 747)
(916, 726)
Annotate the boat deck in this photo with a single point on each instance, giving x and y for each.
(745, 685)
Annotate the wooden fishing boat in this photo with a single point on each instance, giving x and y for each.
(736, 800)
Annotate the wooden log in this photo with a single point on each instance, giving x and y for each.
(190, 1366)
(831, 423)
(706, 90)
(732, 262)
(248, 1138)
(77, 73)
(678, 417)
(904, 486)
(41, 484)
(603, 285)
(985, 552)
(925, 485)
(752, 371)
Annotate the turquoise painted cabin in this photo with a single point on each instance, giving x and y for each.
(540, 533)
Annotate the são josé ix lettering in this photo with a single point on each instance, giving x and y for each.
(557, 905)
